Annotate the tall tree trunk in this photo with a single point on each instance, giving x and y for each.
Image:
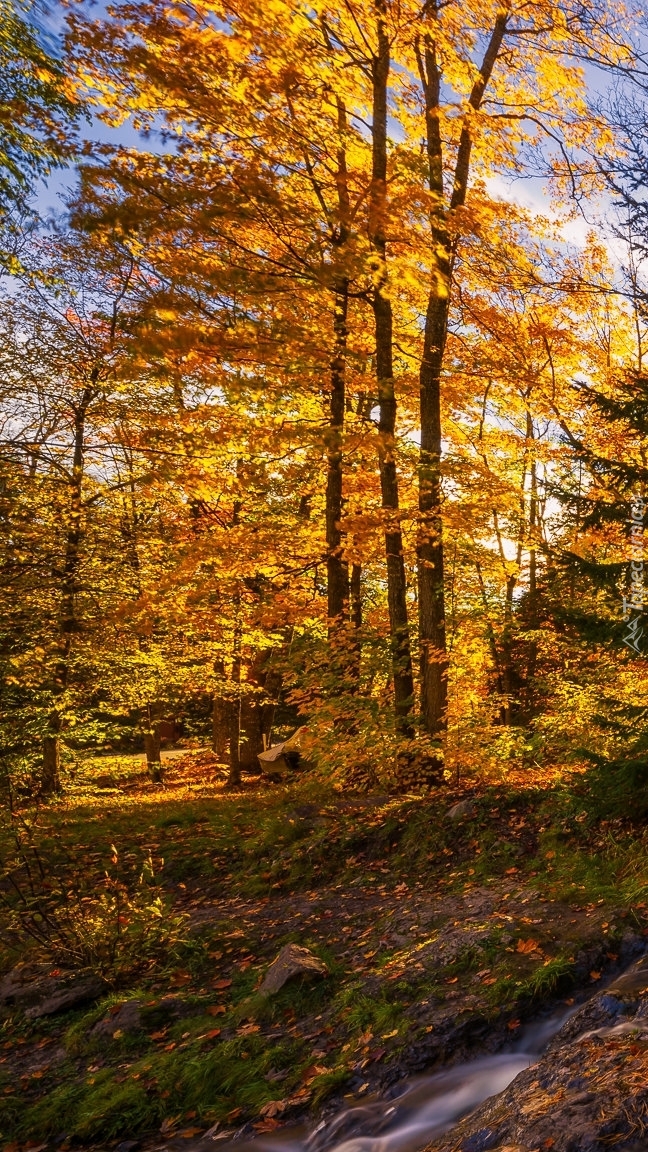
(234, 710)
(355, 590)
(533, 575)
(51, 763)
(152, 743)
(431, 605)
(396, 580)
(337, 569)
(220, 716)
(257, 709)
(51, 755)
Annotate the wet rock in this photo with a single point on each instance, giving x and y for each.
(453, 941)
(293, 960)
(588, 1092)
(122, 1018)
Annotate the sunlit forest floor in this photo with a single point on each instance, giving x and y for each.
(441, 936)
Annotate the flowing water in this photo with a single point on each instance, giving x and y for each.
(416, 1110)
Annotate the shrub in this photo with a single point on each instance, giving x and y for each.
(75, 918)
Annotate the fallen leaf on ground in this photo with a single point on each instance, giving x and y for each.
(526, 946)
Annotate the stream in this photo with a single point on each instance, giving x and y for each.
(416, 1110)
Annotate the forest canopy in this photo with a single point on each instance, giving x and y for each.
(324, 396)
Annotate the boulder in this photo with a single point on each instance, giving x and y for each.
(464, 810)
(24, 984)
(280, 759)
(67, 994)
(122, 1018)
(41, 991)
(293, 960)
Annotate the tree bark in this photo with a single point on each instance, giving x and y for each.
(234, 703)
(234, 710)
(51, 756)
(51, 764)
(153, 742)
(396, 580)
(355, 606)
(220, 717)
(257, 710)
(432, 629)
(152, 750)
(337, 569)
(532, 614)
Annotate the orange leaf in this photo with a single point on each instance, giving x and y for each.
(526, 946)
(273, 1108)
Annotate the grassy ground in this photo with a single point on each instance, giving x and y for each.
(422, 922)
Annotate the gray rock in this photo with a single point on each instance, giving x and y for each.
(38, 992)
(293, 960)
(25, 983)
(67, 993)
(125, 1018)
(464, 810)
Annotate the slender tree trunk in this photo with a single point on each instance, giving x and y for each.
(355, 589)
(257, 709)
(152, 743)
(234, 710)
(509, 676)
(490, 631)
(432, 628)
(533, 575)
(356, 596)
(220, 717)
(51, 756)
(431, 598)
(396, 580)
(337, 569)
(51, 765)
